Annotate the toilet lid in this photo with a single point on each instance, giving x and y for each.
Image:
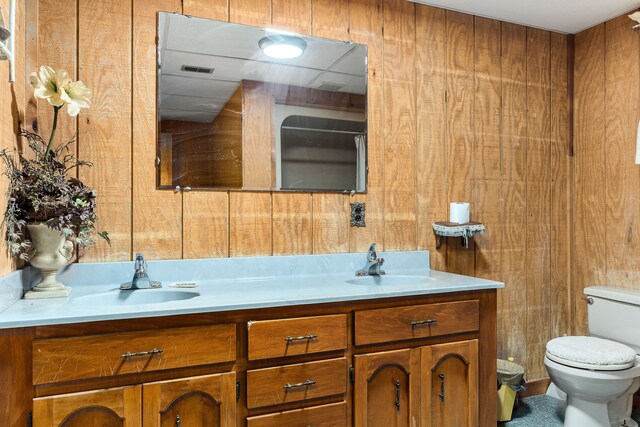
(591, 353)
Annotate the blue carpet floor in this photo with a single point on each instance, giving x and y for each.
(540, 411)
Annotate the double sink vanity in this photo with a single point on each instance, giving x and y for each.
(256, 342)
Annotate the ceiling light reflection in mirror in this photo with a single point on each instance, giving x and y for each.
(220, 103)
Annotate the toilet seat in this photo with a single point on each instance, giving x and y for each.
(591, 353)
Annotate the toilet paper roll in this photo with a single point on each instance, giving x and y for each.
(459, 212)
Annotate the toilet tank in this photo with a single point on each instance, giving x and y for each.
(615, 314)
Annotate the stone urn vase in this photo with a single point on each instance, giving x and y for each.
(50, 252)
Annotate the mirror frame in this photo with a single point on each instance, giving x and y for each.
(160, 186)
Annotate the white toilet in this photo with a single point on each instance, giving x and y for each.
(600, 373)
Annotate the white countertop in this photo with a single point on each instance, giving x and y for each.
(226, 284)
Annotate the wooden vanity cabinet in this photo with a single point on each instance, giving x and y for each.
(387, 389)
(449, 384)
(322, 341)
(204, 401)
(118, 407)
(392, 362)
(429, 385)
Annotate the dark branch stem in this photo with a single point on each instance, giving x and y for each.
(53, 130)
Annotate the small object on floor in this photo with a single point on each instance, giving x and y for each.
(511, 375)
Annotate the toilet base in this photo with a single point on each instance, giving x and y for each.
(582, 413)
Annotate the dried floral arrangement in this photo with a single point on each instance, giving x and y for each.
(41, 189)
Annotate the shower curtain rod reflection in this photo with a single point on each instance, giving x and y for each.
(346, 132)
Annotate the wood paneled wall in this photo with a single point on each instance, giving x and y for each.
(607, 196)
(460, 108)
(12, 105)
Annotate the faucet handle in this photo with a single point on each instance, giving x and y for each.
(371, 254)
(141, 264)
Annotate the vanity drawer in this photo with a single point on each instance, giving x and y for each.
(293, 383)
(332, 415)
(415, 321)
(290, 337)
(93, 356)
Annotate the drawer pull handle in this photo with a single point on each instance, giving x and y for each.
(141, 353)
(307, 383)
(415, 323)
(302, 337)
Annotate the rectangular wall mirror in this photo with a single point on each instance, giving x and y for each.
(247, 108)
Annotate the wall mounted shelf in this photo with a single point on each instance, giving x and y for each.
(453, 229)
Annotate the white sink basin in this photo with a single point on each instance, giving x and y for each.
(136, 297)
(390, 280)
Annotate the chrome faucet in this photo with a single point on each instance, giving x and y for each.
(140, 277)
(372, 268)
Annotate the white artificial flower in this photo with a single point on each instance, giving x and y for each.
(78, 97)
(50, 84)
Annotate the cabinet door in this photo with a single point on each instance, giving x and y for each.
(386, 389)
(449, 384)
(208, 400)
(118, 407)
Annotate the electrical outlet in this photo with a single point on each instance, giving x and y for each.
(358, 214)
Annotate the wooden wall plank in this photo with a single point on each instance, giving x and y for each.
(292, 224)
(206, 232)
(365, 26)
(157, 236)
(330, 18)
(250, 12)
(460, 135)
(257, 137)
(330, 223)
(105, 129)
(487, 151)
(30, 45)
(400, 200)
(211, 9)
(590, 160)
(561, 190)
(57, 48)
(538, 193)
(431, 116)
(291, 15)
(487, 177)
(205, 223)
(622, 87)
(250, 227)
(14, 100)
(292, 212)
(512, 335)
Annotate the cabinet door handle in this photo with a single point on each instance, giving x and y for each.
(177, 420)
(441, 394)
(397, 383)
(301, 337)
(141, 353)
(306, 383)
(415, 323)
